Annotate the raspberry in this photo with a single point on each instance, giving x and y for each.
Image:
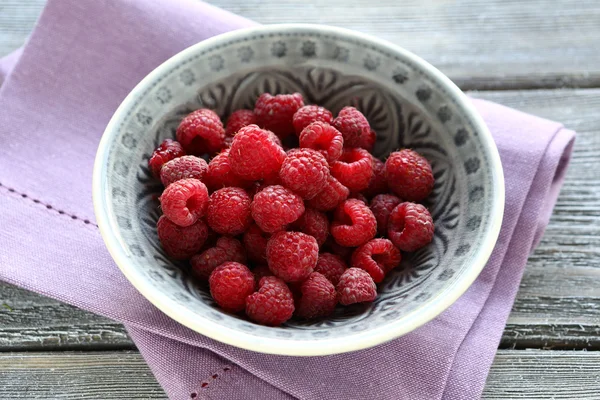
(292, 255)
(276, 113)
(353, 169)
(331, 266)
(166, 151)
(184, 201)
(230, 283)
(274, 207)
(255, 242)
(367, 141)
(254, 155)
(313, 223)
(308, 114)
(356, 286)
(382, 205)
(409, 175)
(181, 168)
(333, 193)
(273, 304)
(359, 196)
(377, 257)
(341, 251)
(353, 125)
(229, 211)
(324, 138)
(201, 132)
(410, 226)
(318, 297)
(238, 119)
(354, 223)
(260, 272)
(304, 171)
(219, 173)
(226, 249)
(180, 242)
(378, 183)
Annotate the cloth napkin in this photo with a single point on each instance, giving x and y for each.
(56, 98)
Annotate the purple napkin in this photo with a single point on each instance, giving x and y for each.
(55, 101)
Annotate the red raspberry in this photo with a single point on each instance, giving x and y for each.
(254, 155)
(378, 183)
(341, 251)
(377, 257)
(410, 226)
(333, 193)
(274, 207)
(180, 242)
(219, 173)
(353, 125)
(255, 242)
(166, 151)
(185, 201)
(273, 304)
(237, 120)
(331, 266)
(382, 205)
(356, 286)
(226, 249)
(305, 171)
(230, 283)
(409, 175)
(260, 272)
(276, 113)
(182, 168)
(313, 223)
(353, 169)
(359, 196)
(354, 223)
(309, 114)
(292, 255)
(318, 297)
(201, 132)
(324, 138)
(229, 211)
(367, 141)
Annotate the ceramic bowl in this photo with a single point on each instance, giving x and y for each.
(408, 102)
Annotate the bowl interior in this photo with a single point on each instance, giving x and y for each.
(408, 105)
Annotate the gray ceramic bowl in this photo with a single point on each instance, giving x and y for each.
(408, 102)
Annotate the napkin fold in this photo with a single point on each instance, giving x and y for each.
(56, 96)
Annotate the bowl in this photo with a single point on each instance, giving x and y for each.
(408, 102)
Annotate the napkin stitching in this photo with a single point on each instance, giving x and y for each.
(204, 383)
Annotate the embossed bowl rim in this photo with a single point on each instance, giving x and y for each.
(319, 346)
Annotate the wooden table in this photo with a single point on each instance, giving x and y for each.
(539, 56)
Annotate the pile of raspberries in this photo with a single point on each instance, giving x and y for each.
(288, 230)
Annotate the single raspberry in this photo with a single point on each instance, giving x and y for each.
(230, 283)
(276, 113)
(353, 169)
(359, 196)
(313, 223)
(324, 138)
(260, 272)
(255, 242)
(226, 249)
(367, 141)
(318, 297)
(335, 248)
(229, 211)
(308, 114)
(180, 242)
(378, 183)
(201, 132)
(237, 120)
(219, 173)
(356, 286)
(354, 223)
(377, 257)
(184, 201)
(409, 175)
(304, 171)
(292, 255)
(273, 304)
(382, 205)
(165, 152)
(254, 155)
(274, 207)
(333, 193)
(182, 168)
(331, 266)
(353, 125)
(410, 226)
